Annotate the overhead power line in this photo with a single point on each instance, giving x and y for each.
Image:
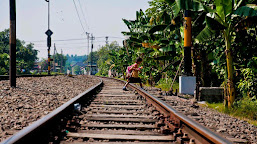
(58, 40)
(79, 17)
(84, 17)
(61, 44)
(72, 39)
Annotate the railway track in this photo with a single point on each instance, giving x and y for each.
(116, 116)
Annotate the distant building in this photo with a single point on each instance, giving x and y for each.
(36, 67)
(84, 67)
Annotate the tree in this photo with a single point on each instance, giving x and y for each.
(222, 20)
(77, 70)
(26, 55)
(104, 61)
(60, 60)
(94, 58)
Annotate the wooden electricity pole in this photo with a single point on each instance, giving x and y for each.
(54, 58)
(61, 71)
(92, 39)
(12, 43)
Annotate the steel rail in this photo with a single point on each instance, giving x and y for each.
(27, 135)
(194, 129)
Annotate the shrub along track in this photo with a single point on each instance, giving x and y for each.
(116, 116)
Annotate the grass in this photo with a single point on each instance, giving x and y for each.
(165, 85)
(244, 109)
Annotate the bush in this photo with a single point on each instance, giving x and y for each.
(246, 107)
(247, 85)
(165, 84)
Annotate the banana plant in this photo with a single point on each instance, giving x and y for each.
(224, 19)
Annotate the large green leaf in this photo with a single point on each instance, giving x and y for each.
(165, 17)
(172, 27)
(128, 23)
(143, 37)
(129, 33)
(137, 15)
(170, 2)
(175, 9)
(205, 34)
(246, 11)
(213, 24)
(167, 49)
(164, 58)
(247, 22)
(157, 28)
(208, 9)
(223, 8)
(135, 40)
(113, 54)
(184, 4)
(164, 41)
(197, 6)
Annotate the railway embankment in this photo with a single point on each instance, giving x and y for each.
(36, 97)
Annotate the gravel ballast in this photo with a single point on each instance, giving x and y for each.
(34, 98)
(234, 129)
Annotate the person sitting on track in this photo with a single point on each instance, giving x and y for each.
(134, 75)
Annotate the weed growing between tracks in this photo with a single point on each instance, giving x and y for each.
(245, 109)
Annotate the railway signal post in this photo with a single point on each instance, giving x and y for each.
(187, 82)
(49, 33)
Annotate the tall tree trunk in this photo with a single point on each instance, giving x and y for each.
(205, 70)
(230, 84)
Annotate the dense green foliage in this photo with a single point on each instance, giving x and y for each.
(25, 55)
(107, 57)
(60, 62)
(245, 108)
(161, 27)
(73, 59)
(77, 70)
(156, 35)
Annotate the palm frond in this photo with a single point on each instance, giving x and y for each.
(246, 11)
(205, 34)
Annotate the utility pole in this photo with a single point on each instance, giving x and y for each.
(87, 46)
(87, 42)
(106, 40)
(92, 39)
(61, 62)
(54, 57)
(48, 33)
(12, 43)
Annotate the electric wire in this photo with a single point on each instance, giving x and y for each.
(79, 17)
(69, 39)
(84, 17)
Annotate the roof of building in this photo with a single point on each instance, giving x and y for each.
(81, 64)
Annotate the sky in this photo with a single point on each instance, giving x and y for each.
(98, 17)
